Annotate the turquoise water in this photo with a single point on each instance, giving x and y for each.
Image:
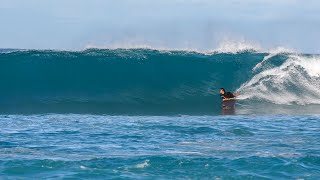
(59, 146)
(152, 82)
(151, 114)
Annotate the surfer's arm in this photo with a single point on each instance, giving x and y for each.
(226, 99)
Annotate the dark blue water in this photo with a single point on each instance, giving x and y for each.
(159, 147)
(149, 114)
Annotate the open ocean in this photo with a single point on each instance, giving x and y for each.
(154, 114)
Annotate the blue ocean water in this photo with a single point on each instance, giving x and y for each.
(67, 146)
(151, 114)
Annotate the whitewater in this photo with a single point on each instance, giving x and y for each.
(156, 114)
(148, 81)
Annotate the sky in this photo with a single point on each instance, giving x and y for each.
(164, 24)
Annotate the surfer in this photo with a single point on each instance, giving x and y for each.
(228, 102)
(227, 95)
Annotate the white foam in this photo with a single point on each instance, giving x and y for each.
(183, 152)
(143, 165)
(312, 65)
(230, 46)
(296, 81)
(278, 154)
(224, 46)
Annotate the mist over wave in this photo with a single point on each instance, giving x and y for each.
(224, 46)
(139, 81)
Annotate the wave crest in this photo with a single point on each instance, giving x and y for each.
(234, 47)
(296, 81)
(139, 81)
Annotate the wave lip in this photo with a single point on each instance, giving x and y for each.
(273, 53)
(139, 81)
(226, 46)
(296, 81)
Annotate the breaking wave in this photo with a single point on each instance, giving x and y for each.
(138, 81)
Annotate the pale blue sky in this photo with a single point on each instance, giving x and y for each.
(194, 24)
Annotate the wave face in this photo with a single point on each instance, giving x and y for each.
(138, 81)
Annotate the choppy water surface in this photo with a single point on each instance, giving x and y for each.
(52, 122)
(162, 147)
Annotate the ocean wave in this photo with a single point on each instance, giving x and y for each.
(296, 81)
(151, 81)
(273, 53)
(225, 46)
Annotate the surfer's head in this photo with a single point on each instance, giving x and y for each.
(222, 91)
